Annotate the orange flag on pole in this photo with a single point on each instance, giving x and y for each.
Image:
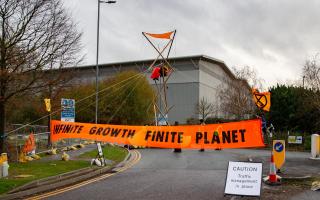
(262, 99)
(161, 35)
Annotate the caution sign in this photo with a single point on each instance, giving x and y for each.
(227, 135)
(243, 178)
(279, 152)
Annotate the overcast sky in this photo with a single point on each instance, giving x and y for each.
(275, 37)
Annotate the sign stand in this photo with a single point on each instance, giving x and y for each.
(279, 153)
(68, 112)
(242, 196)
(243, 179)
(100, 155)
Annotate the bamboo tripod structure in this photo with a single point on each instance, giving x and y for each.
(160, 102)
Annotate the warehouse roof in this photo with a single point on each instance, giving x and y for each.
(149, 61)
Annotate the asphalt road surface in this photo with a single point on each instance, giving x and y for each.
(162, 174)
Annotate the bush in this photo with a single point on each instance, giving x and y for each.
(126, 98)
(192, 121)
(216, 120)
(307, 142)
(209, 120)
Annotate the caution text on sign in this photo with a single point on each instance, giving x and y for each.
(243, 178)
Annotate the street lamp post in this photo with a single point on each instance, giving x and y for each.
(100, 152)
(97, 58)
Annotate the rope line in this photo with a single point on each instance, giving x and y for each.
(100, 91)
(93, 94)
(106, 94)
(123, 102)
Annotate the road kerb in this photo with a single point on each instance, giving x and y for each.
(51, 183)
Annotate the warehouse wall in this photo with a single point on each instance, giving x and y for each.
(211, 80)
(192, 79)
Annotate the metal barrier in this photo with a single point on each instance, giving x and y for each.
(15, 141)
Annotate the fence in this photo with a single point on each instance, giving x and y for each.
(15, 141)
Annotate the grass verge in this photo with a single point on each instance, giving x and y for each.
(110, 152)
(42, 169)
(305, 183)
(38, 170)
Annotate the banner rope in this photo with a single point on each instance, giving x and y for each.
(58, 110)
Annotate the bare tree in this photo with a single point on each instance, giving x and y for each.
(250, 76)
(311, 74)
(235, 98)
(35, 36)
(204, 108)
(311, 80)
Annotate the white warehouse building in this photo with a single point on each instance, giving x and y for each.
(193, 78)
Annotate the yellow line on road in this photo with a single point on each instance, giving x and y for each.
(137, 157)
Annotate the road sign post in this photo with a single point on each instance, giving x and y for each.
(47, 103)
(68, 110)
(279, 153)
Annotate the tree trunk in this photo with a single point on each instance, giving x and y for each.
(2, 125)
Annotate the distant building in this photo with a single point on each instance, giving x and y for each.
(194, 77)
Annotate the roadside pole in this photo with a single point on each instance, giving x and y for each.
(47, 103)
(100, 152)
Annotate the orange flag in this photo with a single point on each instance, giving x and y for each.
(262, 99)
(161, 35)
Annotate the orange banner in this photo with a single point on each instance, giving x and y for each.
(226, 135)
(160, 35)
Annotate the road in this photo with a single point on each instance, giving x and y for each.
(162, 174)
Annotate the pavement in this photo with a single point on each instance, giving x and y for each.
(297, 164)
(162, 174)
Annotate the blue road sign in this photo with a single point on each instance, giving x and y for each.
(278, 147)
(67, 110)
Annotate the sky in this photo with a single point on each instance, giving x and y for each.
(274, 37)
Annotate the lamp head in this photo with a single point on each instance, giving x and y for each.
(107, 1)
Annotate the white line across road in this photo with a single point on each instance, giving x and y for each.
(136, 157)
